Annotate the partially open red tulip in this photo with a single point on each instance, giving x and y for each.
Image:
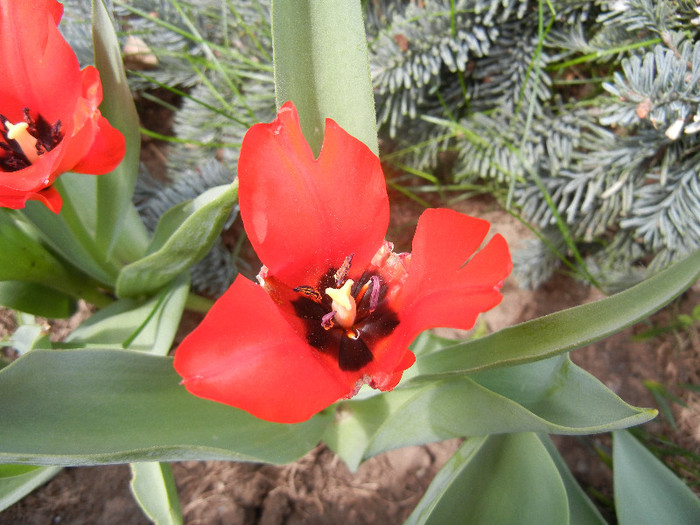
(334, 307)
(49, 121)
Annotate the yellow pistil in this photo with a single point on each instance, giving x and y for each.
(25, 140)
(344, 304)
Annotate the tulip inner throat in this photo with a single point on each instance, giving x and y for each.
(345, 318)
(25, 141)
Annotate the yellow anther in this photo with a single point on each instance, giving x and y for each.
(25, 140)
(343, 304)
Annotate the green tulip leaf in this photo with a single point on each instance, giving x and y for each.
(551, 397)
(562, 331)
(92, 406)
(427, 343)
(25, 258)
(36, 299)
(115, 211)
(71, 233)
(184, 235)
(646, 491)
(322, 65)
(153, 487)
(16, 481)
(148, 326)
(350, 433)
(496, 479)
(582, 511)
(11, 470)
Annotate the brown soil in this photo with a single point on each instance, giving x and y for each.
(319, 488)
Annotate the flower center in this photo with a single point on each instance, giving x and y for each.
(25, 141)
(349, 318)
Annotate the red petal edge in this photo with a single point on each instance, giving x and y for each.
(106, 152)
(304, 215)
(246, 355)
(17, 200)
(443, 291)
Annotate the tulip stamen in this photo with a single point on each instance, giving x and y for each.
(374, 295)
(20, 134)
(327, 320)
(342, 272)
(344, 304)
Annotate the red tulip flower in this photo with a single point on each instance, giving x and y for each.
(49, 121)
(335, 307)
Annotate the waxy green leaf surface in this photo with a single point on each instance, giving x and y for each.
(183, 237)
(25, 258)
(116, 406)
(582, 511)
(646, 491)
(36, 299)
(115, 190)
(153, 487)
(16, 481)
(321, 64)
(552, 397)
(496, 479)
(146, 325)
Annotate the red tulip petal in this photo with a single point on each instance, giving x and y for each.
(399, 357)
(95, 146)
(245, 354)
(441, 290)
(50, 197)
(106, 153)
(39, 66)
(17, 200)
(36, 177)
(304, 215)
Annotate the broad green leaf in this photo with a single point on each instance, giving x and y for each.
(351, 431)
(115, 210)
(493, 480)
(24, 258)
(562, 393)
(551, 397)
(36, 299)
(92, 406)
(16, 481)
(427, 343)
(582, 511)
(562, 331)
(321, 64)
(148, 326)
(154, 489)
(71, 233)
(10, 470)
(646, 491)
(183, 237)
